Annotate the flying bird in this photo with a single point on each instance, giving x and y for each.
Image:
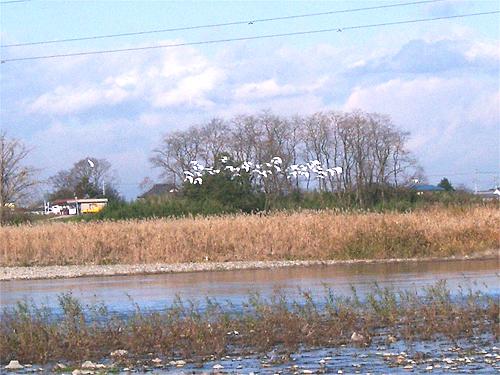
(276, 160)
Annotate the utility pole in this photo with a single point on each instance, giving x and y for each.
(475, 181)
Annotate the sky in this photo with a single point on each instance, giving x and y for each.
(438, 80)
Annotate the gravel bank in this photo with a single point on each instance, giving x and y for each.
(54, 272)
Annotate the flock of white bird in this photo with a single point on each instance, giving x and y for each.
(274, 167)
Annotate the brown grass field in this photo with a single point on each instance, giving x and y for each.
(307, 235)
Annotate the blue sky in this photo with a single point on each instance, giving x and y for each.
(439, 80)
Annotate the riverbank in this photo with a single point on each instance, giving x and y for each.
(58, 272)
(326, 235)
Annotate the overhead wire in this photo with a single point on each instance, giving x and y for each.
(233, 23)
(266, 36)
(13, 1)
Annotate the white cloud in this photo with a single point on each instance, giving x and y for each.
(64, 99)
(270, 89)
(481, 49)
(449, 119)
(263, 89)
(168, 78)
(191, 90)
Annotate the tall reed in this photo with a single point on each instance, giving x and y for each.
(305, 235)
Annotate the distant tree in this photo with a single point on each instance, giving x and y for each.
(16, 179)
(235, 193)
(85, 179)
(446, 185)
(371, 150)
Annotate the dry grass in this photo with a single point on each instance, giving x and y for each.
(278, 236)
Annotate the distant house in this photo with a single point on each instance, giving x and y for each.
(159, 190)
(489, 195)
(426, 189)
(75, 206)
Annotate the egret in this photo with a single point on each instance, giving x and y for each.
(276, 160)
(338, 170)
(91, 163)
(246, 166)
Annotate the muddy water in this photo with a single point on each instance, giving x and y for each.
(157, 292)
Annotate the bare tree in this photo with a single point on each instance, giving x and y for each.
(85, 179)
(16, 179)
(176, 151)
(370, 149)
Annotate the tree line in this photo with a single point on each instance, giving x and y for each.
(371, 150)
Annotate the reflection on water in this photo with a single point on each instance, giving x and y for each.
(158, 291)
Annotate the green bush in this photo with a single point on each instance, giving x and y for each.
(222, 195)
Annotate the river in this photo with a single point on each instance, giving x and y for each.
(156, 292)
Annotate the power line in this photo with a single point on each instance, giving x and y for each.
(216, 41)
(13, 1)
(234, 23)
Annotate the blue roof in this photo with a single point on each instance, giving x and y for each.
(423, 187)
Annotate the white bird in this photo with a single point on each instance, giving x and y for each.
(232, 169)
(276, 160)
(224, 159)
(263, 173)
(198, 181)
(91, 163)
(246, 166)
(189, 178)
(338, 170)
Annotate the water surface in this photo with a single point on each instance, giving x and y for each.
(157, 292)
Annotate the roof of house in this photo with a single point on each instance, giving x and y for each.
(425, 187)
(492, 193)
(159, 189)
